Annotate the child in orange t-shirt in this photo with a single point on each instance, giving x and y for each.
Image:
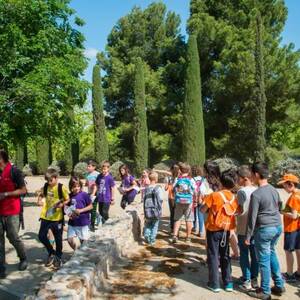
(221, 206)
(291, 221)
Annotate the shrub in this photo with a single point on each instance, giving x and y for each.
(226, 163)
(27, 171)
(80, 169)
(55, 165)
(289, 165)
(114, 169)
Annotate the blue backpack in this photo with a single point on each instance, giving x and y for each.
(184, 191)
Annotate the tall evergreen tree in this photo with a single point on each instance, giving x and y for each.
(193, 140)
(140, 120)
(42, 155)
(260, 95)
(101, 144)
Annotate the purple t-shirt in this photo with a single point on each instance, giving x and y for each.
(126, 183)
(104, 186)
(78, 201)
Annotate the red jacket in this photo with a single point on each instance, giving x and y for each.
(9, 206)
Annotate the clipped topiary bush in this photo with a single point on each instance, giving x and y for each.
(289, 165)
(226, 163)
(80, 169)
(27, 171)
(55, 165)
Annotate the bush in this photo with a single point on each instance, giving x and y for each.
(289, 165)
(226, 163)
(114, 169)
(164, 166)
(80, 169)
(30, 169)
(59, 166)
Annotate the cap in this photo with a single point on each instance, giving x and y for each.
(288, 177)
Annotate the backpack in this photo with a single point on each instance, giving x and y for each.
(225, 215)
(184, 191)
(59, 189)
(22, 197)
(152, 205)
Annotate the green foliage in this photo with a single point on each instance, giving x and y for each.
(153, 35)
(259, 139)
(100, 140)
(288, 165)
(226, 45)
(140, 137)
(193, 141)
(41, 66)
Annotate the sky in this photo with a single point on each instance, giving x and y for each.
(101, 15)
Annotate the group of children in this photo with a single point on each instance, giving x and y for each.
(196, 195)
(222, 201)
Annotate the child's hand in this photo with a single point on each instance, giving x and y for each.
(112, 201)
(58, 205)
(76, 212)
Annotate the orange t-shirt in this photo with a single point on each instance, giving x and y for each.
(293, 202)
(215, 202)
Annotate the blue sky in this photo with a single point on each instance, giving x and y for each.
(101, 15)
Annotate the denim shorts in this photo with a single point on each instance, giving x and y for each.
(292, 241)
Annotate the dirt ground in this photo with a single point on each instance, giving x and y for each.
(162, 272)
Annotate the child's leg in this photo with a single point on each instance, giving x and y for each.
(94, 213)
(147, 230)
(189, 218)
(43, 236)
(254, 263)
(289, 261)
(213, 241)
(104, 211)
(195, 211)
(200, 221)
(178, 213)
(154, 230)
(234, 244)
(244, 258)
(73, 243)
(225, 261)
(57, 229)
(171, 208)
(51, 237)
(189, 227)
(298, 261)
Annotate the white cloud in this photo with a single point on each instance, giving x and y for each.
(90, 52)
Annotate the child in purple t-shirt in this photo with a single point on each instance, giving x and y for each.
(128, 187)
(78, 211)
(105, 189)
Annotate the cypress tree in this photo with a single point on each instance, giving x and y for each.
(259, 95)
(101, 144)
(140, 138)
(42, 155)
(193, 140)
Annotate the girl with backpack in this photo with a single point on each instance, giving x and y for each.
(222, 206)
(152, 208)
(128, 188)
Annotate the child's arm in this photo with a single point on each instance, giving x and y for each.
(162, 172)
(113, 193)
(40, 198)
(79, 211)
(133, 185)
(292, 215)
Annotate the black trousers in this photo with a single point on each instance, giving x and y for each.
(172, 211)
(218, 255)
(104, 211)
(57, 229)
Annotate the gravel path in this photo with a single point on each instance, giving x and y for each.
(151, 273)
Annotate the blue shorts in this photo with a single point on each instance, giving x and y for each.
(292, 241)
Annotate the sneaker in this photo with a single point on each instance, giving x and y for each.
(277, 291)
(254, 283)
(57, 262)
(289, 278)
(23, 265)
(174, 239)
(229, 287)
(50, 260)
(213, 288)
(297, 275)
(246, 285)
(259, 294)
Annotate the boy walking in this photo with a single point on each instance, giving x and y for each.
(184, 188)
(264, 222)
(221, 206)
(52, 217)
(105, 189)
(291, 221)
(152, 208)
(249, 267)
(91, 177)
